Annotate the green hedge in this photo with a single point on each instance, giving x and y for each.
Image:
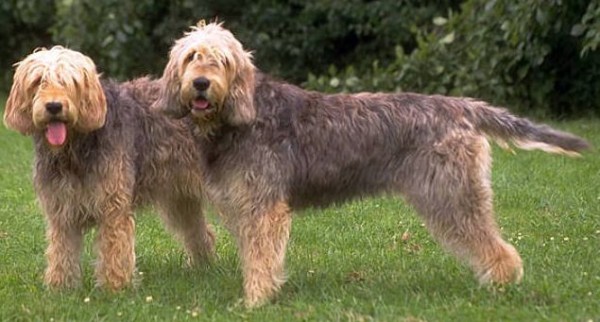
(24, 25)
(293, 38)
(535, 53)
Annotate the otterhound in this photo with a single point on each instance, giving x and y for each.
(269, 147)
(99, 153)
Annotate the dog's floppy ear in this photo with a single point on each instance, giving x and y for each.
(18, 114)
(239, 106)
(170, 84)
(92, 105)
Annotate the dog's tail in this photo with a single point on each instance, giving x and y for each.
(503, 127)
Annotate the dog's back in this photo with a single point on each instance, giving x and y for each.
(332, 137)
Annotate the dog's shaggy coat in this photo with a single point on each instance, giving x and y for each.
(270, 147)
(100, 152)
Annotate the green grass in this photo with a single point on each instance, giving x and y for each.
(348, 263)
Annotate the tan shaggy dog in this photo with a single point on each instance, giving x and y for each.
(99, 153)
(269, 147)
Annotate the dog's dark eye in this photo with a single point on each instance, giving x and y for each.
(36, 82)
(225, 61)
(190, 57)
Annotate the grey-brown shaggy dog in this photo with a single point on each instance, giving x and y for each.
(270, 147)
(99, 153)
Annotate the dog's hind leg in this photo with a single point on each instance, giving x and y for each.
(262, 240)
(65, 242)
(454, 197)
(185, 218)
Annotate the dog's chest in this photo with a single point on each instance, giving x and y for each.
(66, 183)
(217, 148)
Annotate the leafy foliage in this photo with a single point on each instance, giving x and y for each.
(538, 54)
(510, 52)
(293, 37)
(23, 26)
(125, 38)
(589, 28)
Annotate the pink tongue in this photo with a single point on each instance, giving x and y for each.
(56, 133)
(200, 104)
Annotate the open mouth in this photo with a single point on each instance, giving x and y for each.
(200, 103)
(56, 133)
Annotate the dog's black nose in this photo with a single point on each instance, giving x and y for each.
(54, 107)
(201, 83)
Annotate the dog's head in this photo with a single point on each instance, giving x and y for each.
(210, 76)
(55, 91)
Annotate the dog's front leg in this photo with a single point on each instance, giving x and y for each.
(65, 241)
(262, 240)
(115, 248)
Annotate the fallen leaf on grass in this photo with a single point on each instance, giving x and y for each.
(406, 236)
(356, 276)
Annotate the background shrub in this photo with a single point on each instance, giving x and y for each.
(24, 25)
(534, 54)
(537, 54)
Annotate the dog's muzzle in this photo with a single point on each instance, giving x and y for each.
(200, 104)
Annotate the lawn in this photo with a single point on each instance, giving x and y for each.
(368, 260)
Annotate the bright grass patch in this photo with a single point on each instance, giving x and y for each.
(363, 261)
